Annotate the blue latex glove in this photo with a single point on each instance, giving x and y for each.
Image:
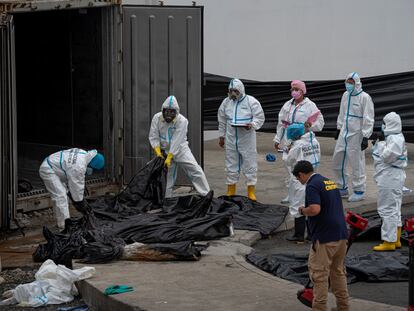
(270, 157)
(117, 289)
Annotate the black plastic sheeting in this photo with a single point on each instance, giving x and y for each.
(373, 267)
(393, 92)
(140, 214)
(373, 230)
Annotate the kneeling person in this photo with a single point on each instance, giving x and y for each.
(168, 134)
(304, 147)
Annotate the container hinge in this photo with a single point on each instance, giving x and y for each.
(120, 56)
(120, 96)
(120, 16)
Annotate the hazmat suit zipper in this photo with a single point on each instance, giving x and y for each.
(294, 111)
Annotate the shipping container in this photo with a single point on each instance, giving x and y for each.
(91, 74)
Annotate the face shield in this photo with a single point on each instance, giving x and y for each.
(169, 114)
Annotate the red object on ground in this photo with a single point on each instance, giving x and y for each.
(356, 221)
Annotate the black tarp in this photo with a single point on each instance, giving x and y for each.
(393, 92)
(373, 230)
(141, 214)
(373, 267)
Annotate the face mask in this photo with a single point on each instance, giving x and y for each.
(383, 127)
(349, 87)
(169, 114)
(296, 94)
(89, 171)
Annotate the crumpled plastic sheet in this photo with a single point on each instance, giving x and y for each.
(373, 267)
(140, 213)
(54, 284)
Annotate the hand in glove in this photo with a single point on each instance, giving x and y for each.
(337, 134)
(221, 142)
(381, 136)
(364, 144)
(158, 152)
(167, 162)
(378, 137)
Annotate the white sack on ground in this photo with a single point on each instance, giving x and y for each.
(54, 285)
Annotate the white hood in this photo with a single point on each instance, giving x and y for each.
(392, 123)
(172, 103)
(238, 85)
(358, 85)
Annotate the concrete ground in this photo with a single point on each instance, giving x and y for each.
(222, 280)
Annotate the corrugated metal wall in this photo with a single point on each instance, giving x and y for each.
(162, 56)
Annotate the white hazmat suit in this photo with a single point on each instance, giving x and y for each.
(289, 114)
(390, 160)
(306, 148)
(65, 171)
(355, 121)
(240, 143)
(172, 138)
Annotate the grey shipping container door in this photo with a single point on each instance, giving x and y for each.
(8, 151)
(162, 56)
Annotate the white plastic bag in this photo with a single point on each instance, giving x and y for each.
(54, 285)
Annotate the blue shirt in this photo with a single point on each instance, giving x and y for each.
(329, 225)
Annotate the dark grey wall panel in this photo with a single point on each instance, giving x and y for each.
(162, 49)
(8, 151)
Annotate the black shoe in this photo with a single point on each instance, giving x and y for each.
(297, 239)
(299, 231)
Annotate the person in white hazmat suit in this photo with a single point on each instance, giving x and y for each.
(239, 117)
(298, 109)
(390, 160)
(168, 134)
(354, 126)
(306, 147)
(64, 172)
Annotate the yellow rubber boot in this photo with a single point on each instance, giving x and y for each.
(250, 192)
(231, 190)
(398, 243)
(385, 246)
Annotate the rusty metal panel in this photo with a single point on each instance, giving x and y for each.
(162, 49)
(46, 5)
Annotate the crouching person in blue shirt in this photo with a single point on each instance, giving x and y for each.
(328, 231)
